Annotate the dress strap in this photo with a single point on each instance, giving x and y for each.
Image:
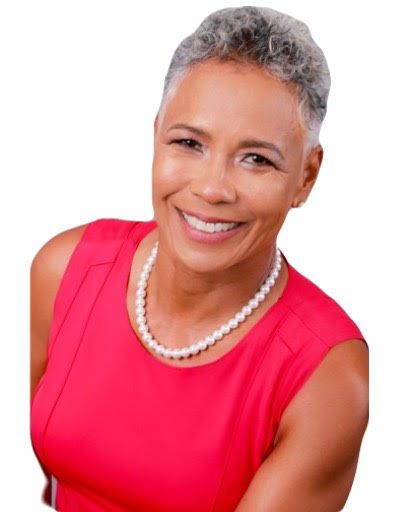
(99, 246)
(86, 272)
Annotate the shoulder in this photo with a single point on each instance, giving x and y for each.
(50, 261)
(325, 394)
(335, 386)
(53, 255)
(317, 446)
(46, 270)
(326, 379)
(316, 315)
(324, 348)
(49, 265)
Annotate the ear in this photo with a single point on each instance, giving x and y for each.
(309, 173)
(156, 123)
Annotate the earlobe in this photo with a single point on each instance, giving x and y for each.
(312, 167)
(309, 175)
(298, 205)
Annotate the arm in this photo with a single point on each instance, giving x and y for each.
(313, 464)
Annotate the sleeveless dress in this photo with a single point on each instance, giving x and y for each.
(118, 430)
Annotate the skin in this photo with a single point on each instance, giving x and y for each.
(195, 287)
(210, 174)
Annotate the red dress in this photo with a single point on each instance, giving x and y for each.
(119, 430)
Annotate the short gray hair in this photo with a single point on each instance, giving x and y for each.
(275, 41)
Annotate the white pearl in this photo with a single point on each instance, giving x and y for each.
(164, 351)
(194, 349)
(253, 303)
(185, 352)
(233, 323)
(246, 310)
(260, 296)
(210, 340)
(217, 334)
(140, 319)
(202, 345)
(168, 352)
(225, 328)
(240, 316)
(176, 353)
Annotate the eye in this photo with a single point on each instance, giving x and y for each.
(189, 143)
(260, 160)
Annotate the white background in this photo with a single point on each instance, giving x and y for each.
(80, 86)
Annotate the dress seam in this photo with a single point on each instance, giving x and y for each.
(111, 261)
(306, 325)
(67, 310)
(243, 403)
(90, 266)
(76, 350)
(285, 374)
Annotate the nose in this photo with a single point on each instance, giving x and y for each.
(213, 183)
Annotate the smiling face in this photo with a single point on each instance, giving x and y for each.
(228, 145)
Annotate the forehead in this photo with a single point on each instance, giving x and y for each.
(235, 97)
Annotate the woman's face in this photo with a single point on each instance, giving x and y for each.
(228, 144)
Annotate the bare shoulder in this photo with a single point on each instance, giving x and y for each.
(54, 253)
(46, 271)
(314, 460)
(329, 416)
(341, 380)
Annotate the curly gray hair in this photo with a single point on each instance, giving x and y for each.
(275, 41)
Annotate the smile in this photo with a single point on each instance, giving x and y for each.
(209, 227)
(207, 232)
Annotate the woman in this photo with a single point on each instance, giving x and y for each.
(182, 363)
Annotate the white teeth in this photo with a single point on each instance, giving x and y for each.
(209, 227)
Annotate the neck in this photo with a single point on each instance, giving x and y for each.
(200, 297)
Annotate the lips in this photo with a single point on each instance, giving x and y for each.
(208, 219)
(205, 237)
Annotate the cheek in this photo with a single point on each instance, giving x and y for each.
(268, 197)
(168, 175)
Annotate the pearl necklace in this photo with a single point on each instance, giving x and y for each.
(218, 334)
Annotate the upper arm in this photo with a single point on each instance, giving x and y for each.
(46, 271)
(312, 466)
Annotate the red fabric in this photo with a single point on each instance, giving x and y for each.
(122, 431)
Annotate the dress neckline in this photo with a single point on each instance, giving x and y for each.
(136, 235)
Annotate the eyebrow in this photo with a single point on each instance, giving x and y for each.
(247, 143)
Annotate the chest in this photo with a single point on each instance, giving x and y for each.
(110, 420)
